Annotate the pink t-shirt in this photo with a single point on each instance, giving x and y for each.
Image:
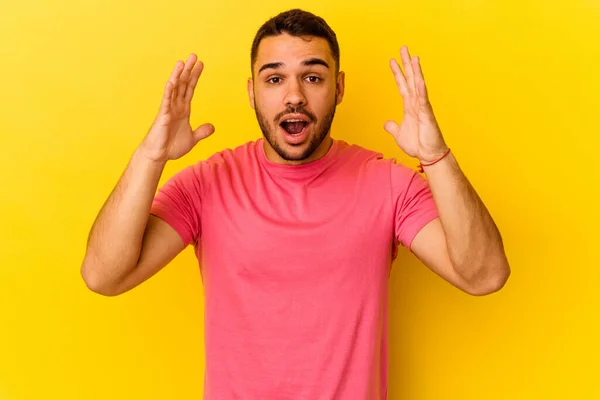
(295, 262)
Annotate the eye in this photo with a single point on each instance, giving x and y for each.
(313, 79)
(275, 80)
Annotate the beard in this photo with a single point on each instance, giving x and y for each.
(269, 131)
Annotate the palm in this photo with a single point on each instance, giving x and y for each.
(179, 137)
(171, 135)
(419, 135)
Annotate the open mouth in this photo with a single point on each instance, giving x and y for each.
(294, 126)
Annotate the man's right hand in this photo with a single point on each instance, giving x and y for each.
(171, 135)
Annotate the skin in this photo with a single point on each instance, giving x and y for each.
(464, 245)
(127, 245)
(290, 76)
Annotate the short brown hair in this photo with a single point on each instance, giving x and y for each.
(297, 22)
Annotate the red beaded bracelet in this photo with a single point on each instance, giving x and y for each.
(435, 162)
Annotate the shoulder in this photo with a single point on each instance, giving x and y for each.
(199, 174)
(374, 160)
(227, 165)
(357, 152)
(241, 153)
(226, 159)
(387, 172)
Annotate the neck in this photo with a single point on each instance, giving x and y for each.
(319, 152)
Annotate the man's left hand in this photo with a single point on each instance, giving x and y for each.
(419, 135)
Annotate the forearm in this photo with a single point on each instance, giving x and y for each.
(474, 243)
(115, 240)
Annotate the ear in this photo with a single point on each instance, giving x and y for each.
(251, 92)
(339, 87)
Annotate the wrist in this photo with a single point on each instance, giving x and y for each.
(142, 158)
(433, 155)
(433, 159)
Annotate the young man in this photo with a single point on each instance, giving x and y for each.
(295, 232)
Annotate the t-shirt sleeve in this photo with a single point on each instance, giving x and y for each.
(179, 203)
(414, 206)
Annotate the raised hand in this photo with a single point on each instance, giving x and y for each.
(419, 135)
(171, 135)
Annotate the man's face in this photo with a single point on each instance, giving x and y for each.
(294, 93)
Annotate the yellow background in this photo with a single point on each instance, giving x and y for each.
(514, 84)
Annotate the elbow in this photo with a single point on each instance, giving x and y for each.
(493, 282)
(96, 282)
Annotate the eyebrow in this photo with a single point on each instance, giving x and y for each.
(308, 62)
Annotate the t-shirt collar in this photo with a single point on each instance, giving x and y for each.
(301, 171)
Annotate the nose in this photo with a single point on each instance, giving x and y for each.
(294, 95)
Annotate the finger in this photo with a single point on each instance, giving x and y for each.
(165, 104)
(399, 77)
(191, 87)
(185, 76)
(174, 78)
(420, 82)
(416, 64)
(423, 96)
(203, 131)
(391, 127)
(408, 70)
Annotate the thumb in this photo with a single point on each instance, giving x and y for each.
(203, 131)
(392, 127)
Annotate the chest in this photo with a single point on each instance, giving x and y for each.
(288, 231)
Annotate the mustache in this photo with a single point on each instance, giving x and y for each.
(296, 110)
